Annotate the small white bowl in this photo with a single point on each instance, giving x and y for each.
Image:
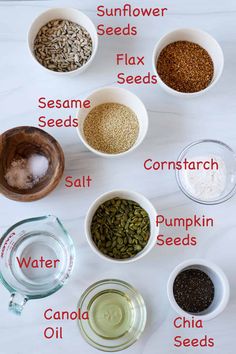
(115, 95)
(199, 37)
(219, 280)
(128, 195)
(69, 14)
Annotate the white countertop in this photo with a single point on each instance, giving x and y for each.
(173, 124)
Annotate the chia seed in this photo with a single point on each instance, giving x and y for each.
(193, 290)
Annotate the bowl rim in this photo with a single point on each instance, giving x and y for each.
(109, 195)
(136, 145)
(178, 172)
(187, 94)
(194, 262)
(94, 49)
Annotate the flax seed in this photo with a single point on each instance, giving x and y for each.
(185, 67)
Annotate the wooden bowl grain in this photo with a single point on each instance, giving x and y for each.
(22, 142)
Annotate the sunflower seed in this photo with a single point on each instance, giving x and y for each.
(63, 45)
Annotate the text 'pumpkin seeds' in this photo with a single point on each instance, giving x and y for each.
(120, 228)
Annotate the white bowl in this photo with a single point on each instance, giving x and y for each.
(66, 14)
(199, 37)
(136, 197)
(115, 95)
(219, 280)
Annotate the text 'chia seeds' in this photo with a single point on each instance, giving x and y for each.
(63, 46)
(185, 67)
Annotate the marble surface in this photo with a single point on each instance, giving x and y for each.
(173, 124)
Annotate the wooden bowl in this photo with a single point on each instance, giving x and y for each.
(22, 142)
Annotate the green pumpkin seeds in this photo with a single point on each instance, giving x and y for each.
(120, 228)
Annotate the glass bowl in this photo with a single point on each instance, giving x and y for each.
(203, 148)
(120, 315)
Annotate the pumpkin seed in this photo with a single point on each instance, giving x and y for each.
(120, 228)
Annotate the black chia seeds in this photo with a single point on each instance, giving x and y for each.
(193, 290)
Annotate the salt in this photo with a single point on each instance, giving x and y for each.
(38, 166)
(206, 184)
(26, 173)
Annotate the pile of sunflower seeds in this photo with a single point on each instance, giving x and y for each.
(120, 228)
(63, 46)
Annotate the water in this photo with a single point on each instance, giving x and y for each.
(36, 245)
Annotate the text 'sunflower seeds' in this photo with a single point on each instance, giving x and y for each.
(185, 67)
(111, 128)
(63, 46)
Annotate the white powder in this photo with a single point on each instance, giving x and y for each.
(206, 184)
(26, 173)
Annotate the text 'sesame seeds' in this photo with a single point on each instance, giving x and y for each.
(120, 228)
(63, 46)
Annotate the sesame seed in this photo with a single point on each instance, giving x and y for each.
(111, 128)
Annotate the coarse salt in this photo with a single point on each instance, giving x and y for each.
(38, 166)
(26, 173)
